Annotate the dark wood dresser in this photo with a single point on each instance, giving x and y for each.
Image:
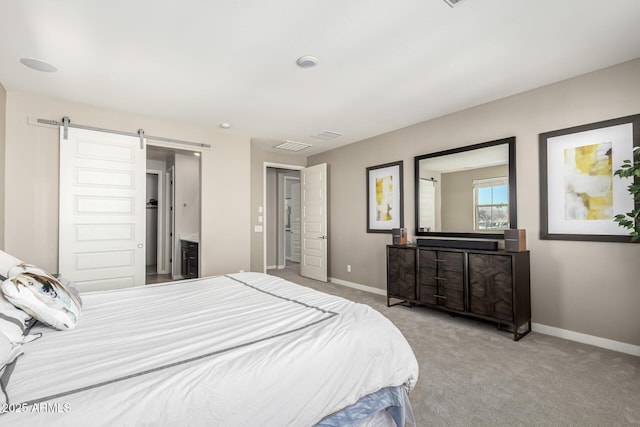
(491, 285)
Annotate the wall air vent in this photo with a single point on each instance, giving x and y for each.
(452, 2)
(292, 146)
(327, 135)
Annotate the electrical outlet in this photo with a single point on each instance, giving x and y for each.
(348, 268)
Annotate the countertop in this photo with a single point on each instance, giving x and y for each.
(194, 237)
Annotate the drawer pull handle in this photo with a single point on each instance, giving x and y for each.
(440, 296)
(441, 260)
(440, 278)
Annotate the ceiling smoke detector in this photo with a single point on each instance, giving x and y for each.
(292, 146)
(452, 2)
(307, 61)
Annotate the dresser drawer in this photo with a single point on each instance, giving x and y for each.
(446, 297)
(428, 294)
(450, 279)
(441, 269)
(450, 261)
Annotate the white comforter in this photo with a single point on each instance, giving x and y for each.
(210, 352)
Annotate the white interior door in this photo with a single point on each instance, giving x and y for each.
(102, 210)
(313, 221)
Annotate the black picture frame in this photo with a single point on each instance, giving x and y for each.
(510, 143)
(385, 174)
(561, 214)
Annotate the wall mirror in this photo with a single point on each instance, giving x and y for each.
(467, 192)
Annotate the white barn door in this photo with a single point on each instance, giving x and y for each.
(313, 192)
(102, 215)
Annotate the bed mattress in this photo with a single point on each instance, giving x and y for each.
(243, 349)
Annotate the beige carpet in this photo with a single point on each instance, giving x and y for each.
(471, 374)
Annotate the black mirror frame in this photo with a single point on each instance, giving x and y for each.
(513, 205)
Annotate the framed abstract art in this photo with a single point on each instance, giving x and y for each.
(384, 198)
(579, 194)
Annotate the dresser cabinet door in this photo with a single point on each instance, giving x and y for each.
(401, 273)
(491, 286)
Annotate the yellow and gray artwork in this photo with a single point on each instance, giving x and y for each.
(384, 198)
(588, 182)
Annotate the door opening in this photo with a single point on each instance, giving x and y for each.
(154, 263)
(178, 200)
(292, 219)
(311, 228)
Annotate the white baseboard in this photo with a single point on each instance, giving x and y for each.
(271, 267)
(365, 288)
(587, 339)
(621, 347)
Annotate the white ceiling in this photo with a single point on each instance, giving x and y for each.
(383, 64)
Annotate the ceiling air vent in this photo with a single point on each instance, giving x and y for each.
(327, 135)
(292, 146)
(452, 2)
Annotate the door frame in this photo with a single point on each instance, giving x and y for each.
(160, 238)
(171, 222)
(284, 202)
(264, 203)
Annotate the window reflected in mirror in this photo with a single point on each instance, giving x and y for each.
(491, 203)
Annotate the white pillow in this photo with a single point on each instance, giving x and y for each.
(7, 261)
(9, 352)
(15, 322)
(42, 296)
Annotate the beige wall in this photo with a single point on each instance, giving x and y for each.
(457, 196)
(258, 158)
(585, 287)
(3, 116)
(32, 169)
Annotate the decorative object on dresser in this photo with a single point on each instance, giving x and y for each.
(399, 236)
(490, 285)
(488, 245)
(515, 240)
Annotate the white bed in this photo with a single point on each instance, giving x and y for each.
(244, 349)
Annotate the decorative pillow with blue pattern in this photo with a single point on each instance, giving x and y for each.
(39, 294)
(42, 296)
